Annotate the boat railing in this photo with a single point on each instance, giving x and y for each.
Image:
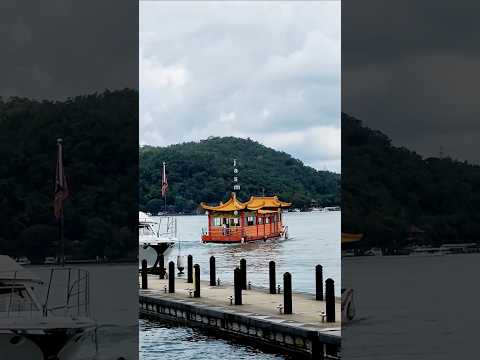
(65, 293)
(230, 231)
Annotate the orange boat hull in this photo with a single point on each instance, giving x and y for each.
(232, 239)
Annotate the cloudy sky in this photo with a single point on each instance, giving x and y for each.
(57, 49)
(410, 69)
(265, 70)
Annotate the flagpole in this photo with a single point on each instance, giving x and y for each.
(62, 241)
(60, 220)
(165, 194)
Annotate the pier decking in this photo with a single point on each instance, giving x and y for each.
(258, 319)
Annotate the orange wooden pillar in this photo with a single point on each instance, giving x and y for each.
(210, 219)
(242, 223)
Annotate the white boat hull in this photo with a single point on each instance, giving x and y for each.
(150, 253)
(38, 344)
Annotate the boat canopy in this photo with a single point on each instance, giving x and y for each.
(10, 271)
(351, 237)
(254, 203)
(144, 218)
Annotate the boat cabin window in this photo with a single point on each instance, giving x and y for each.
(251, 220)
(267, 220)
(217, 221)
(234, 222)
(260, 220)
(145, 229)
(16, 299)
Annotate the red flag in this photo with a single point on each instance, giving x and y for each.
(164, 182)
(61, 187)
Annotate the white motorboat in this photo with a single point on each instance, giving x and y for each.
(23, 260)
(41, 330)
(155, 237)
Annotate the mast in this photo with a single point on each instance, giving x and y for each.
(61, 193)
(236, 186)
(164, 187)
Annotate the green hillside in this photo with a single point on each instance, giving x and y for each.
(387, 189)
(203, 171)
(100, 157)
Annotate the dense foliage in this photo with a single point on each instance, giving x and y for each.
(203, 171)
(100, 156)
(387, 189)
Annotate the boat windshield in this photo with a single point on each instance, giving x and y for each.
(16, 299)
(145, 229)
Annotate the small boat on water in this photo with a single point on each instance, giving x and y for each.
(50, 260)
(23, 260)
(42, 330)
(259, 218)
(155, 237)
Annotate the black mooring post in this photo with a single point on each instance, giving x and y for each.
(189, 269)
(213, 281)
(243, 272)
(271, 275)
(196, 292)
(237, 283)
(318, 352)
(161, 266)
(287, 293)
(330, 300)
(171, 277)
(144, 274)
(319, 282)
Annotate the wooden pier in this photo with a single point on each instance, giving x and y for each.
(260, 319)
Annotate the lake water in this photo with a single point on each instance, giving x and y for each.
(413, 307)
(113, 304)
(314, 238)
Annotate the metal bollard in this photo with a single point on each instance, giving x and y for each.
(171, 277)
(212, 271)
(287, 293)
(189, 269)
(243, 272)
(144, 274)
(319, 282)
(237, 283)
(196, 292)
(271, 276)
(330, 300)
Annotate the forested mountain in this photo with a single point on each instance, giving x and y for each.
(387, 189)
(100, 158)
(203, 171)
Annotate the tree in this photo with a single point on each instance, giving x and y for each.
(38, 242)
(154, 206)
(97, 236)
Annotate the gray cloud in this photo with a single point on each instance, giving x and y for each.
(56, 49)
(265, 70)
(410, 69)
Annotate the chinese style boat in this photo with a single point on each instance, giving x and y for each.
(260, 218)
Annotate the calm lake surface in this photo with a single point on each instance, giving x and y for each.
(314, 238)
(413, 307)
(113, 304)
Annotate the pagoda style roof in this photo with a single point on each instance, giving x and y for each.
(255, 203)
(231, 205)
(351, 237)
(259, 202)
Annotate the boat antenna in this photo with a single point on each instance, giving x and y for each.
(236, 186)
